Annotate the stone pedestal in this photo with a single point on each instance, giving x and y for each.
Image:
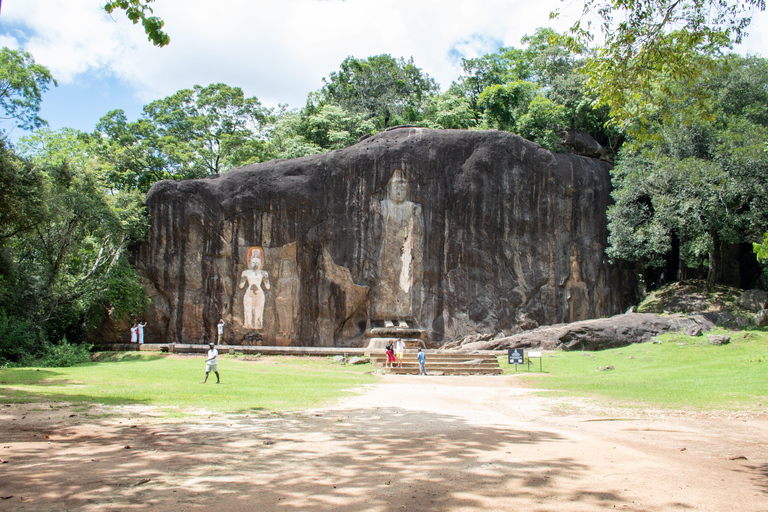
(379, 336)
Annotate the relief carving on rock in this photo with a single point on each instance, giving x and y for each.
(399, 230)
(270, 309)
(576, 292)
(254, 298)
(285, 301)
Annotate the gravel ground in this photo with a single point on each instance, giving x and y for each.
(407, 443)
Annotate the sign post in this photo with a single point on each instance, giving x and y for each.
(516, 356)
(535, 354)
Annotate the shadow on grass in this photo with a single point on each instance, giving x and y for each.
(123, 357)
(346, 461)
(22, 396)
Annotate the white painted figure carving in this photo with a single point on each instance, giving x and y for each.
(253, 301)
(287, 286)
(401, 229)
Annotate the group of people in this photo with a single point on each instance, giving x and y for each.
(137, 333)
(395, 356)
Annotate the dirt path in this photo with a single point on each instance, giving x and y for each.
(409, 443)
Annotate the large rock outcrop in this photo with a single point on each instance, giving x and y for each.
(448, 232)
(597, 334)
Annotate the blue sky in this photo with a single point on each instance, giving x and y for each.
(276, 50)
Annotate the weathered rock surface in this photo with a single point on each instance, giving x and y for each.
(448, 231)
(754, 300)
(718, 339)
(599, 334)
(761, 318)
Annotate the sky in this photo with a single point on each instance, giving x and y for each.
(276, 50)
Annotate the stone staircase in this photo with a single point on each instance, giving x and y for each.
(444, 363)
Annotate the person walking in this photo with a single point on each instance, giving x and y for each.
(210, 364)
(422, 363)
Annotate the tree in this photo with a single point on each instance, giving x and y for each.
(389, 91)
(504, 105)
(654, 52)
(139, 11)
(133, 163)
(191, 134)
(703, 184)
(62, 269)
(22, 84)
(208, 130)
(506, 65)
(448, 111)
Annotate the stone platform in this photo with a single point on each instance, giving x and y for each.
(447, 363)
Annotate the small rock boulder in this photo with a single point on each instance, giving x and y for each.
(340, 359)
(754, 300)
(761, 318)
(693, 330)
(717, 339)
(359, 360)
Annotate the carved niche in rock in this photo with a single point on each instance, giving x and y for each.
(265, 311)
(399, 231)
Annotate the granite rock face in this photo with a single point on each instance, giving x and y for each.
(449, 232)
(599, 334)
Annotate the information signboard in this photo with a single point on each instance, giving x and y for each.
(516, 356)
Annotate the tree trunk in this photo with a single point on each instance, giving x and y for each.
(713, 264)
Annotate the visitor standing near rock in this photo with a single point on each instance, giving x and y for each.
(140, 330)
(399, 352)
(390, 356)
(422, 363)
(211, 364)
(220, 328)
(134, 331)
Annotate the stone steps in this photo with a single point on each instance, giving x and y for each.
(443, 363)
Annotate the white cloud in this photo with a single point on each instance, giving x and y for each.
(277, 50)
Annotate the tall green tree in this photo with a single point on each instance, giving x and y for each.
(702, 183)
(654, 52)
(387, 90)
(22, 84)
(191, 134)
(66, 268)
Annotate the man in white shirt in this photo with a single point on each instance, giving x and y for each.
(399, 352)
(140, 329)
(210, 364)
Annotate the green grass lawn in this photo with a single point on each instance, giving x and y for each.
(682, 372)
(267, 384)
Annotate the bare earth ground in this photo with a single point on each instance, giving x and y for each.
(408, 443)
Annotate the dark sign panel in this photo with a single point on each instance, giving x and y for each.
(516, 356)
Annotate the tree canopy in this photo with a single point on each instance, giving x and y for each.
(22, 84)
(387, 90)
(654, 52)
(140, 11)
